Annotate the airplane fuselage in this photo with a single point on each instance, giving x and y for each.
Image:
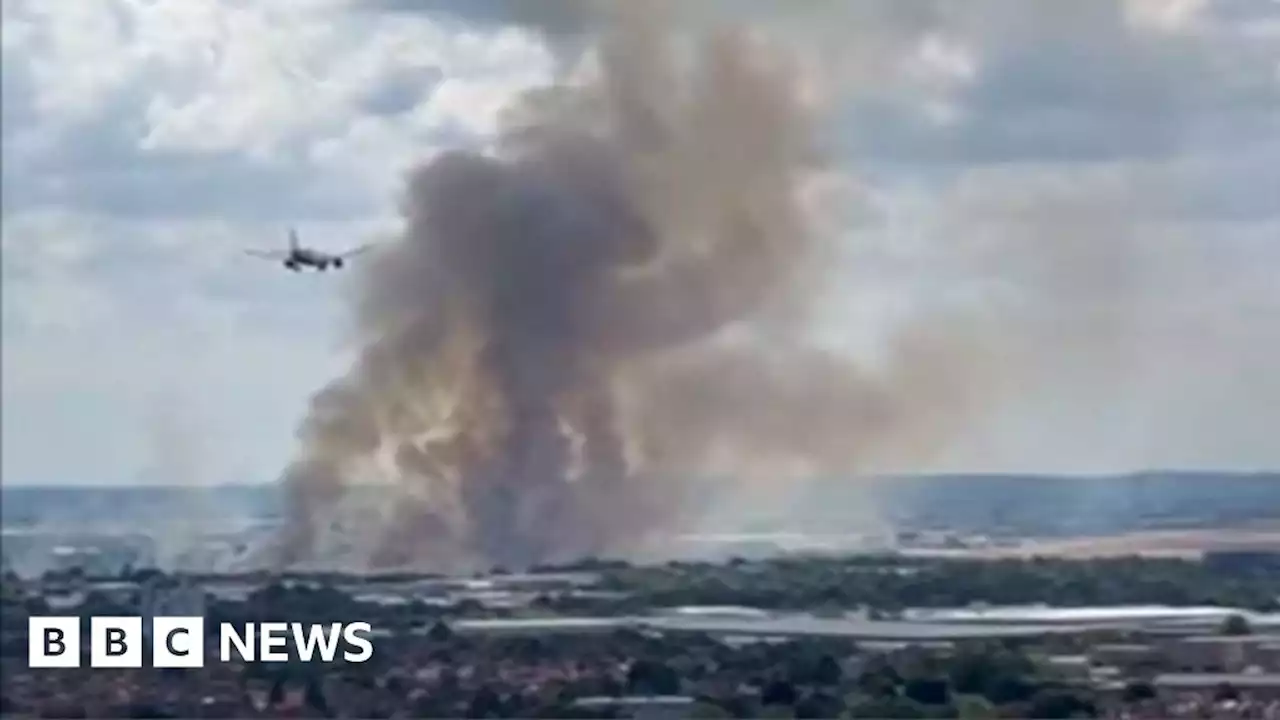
(300, 258)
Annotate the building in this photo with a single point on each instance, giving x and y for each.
(854, 629)
(1222, 653)
(657, 707)
(720, 611)
(1069, 668)
(1129, 657)
(1127, 616)
(1269, 655)
(541, 626)
(1253, 686)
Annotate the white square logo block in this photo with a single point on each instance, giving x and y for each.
(115, 642)
(53, 642)
(177, 642)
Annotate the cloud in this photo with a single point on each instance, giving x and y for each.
(146, 143)
(1087, 82)
(558, 20)
(173, 106)
(144, 146)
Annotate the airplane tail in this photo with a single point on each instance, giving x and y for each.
(293, 239)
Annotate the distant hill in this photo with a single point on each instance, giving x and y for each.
(24, 506)
(1057, 505)
(1026, 504)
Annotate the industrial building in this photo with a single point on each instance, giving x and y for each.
(1256, 686)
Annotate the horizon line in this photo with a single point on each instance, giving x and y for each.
(958, 474)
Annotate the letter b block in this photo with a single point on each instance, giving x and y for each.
(115, 642)
(53, 642)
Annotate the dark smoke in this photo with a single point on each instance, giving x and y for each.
(613, 302)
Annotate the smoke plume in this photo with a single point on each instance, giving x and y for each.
(613, 302)
(180, 459)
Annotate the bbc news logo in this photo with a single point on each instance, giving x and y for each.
(179, 642)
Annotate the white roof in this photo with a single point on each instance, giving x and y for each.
(549, 623)
(1046, 614)
(719, 611)
(1204, 680)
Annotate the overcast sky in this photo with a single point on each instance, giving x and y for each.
(145, 144)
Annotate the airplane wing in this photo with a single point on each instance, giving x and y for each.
(358, 250)
(268, 254)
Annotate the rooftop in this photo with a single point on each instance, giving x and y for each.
(1210, 680)
(633, 700)
(550, 624)
(1048, 614)
(852, 628)
(725, 611)
(1232, 639)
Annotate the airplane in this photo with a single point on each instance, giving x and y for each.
(298, 257)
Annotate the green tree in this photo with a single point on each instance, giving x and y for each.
(1055, 704)
(706, 709)
(879, 679)
(975, 707)
(891, 708)
(928, 691)
(994, 672)
(778, 692)
(828, 671)
(485, 703)
(1236, 625)
(819, 705)
(649, 677)
(440, 633)
(1138, 691)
